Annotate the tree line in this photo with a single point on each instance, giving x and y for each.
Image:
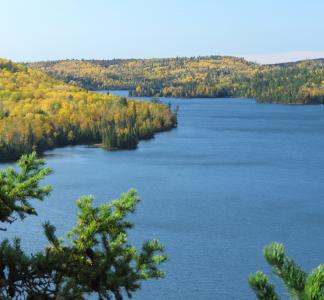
(212, 76)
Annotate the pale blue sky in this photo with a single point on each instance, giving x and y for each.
(259, 30)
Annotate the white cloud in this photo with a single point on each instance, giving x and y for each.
(272, 58)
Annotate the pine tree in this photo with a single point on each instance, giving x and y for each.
(299, 284)
(94, 257)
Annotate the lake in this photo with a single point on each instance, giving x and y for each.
(233, 177)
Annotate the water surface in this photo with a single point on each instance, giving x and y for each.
(234, 176)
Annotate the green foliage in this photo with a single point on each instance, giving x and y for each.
(18, 188)
(114, 139)
(263, 289)
(125, 136)
(299, 284)
(213, 76)
(314, 288)
(38, 112)
(94, 257)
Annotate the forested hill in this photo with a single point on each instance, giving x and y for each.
(213, 76)
(38, 112)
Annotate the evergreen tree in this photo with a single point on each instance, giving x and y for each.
(94, 258)
(299, 284)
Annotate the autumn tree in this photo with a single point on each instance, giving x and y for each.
(38, 112)
(211, 76)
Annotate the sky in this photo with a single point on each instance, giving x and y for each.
(261, 31)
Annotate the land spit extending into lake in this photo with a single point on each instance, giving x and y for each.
(38, 112)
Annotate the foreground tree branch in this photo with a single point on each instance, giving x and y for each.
(94, 257)
(299, 284)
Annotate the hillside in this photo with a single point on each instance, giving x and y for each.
(214, 76)
(38, 112)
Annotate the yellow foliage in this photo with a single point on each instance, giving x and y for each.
(39, 111)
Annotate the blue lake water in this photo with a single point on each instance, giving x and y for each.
(233, 177)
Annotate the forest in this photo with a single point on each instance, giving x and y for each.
(213, 76)
(38, 112)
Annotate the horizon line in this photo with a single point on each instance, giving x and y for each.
(262, 59)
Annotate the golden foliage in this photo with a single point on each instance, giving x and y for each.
(213, 76)
(39, 112)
